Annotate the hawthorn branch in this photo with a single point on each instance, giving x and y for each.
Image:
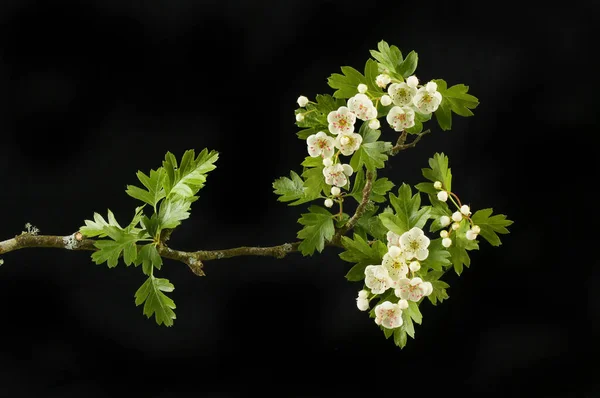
(400, 144)
(194, 260)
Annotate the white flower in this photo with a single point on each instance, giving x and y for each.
(413, 289)
(362, 301)
(388, 315)
(299, 117)
(385, 100)
(383, 80)
(362, 106)
(414, 243)
(427, 99)
(327, 162)
(437, 185)
(402, 94)
(320, 144)
(335, 191)
(412, 81)
(400, 118)
(362, 88)
(302, 101)
(455, 225)
(442, 196)
(464, 209)
(328, 202)
(446, 242)
(443, 233)
(395, 264)
(444, 221)
(471, 235)
(476, 229)
(336, 174)
(348, 143)
(374, 124)
(457, 216)
(341, 121)
(414, 266)
(377, 278)
(393, 239)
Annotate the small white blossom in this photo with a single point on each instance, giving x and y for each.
(442, 196)
(415, 244)
(377, 278)
(437, 185)
(302, 101)
(412, 81)
(347, 169)
(320, 144)
(393, 239)
(401, 93)
(414, 266)
(362, 301)
(464, 209)
(385, 100)
(383, 80)
(403, 304)
(413, 289)
(327, 162)
(400, 118)
(362, 106)
(471, 235)
(446, 242)
(457, 216)
(374, 124)
(427, 99)
(328, 202)
(388, 315)
(348, 143)
(336, 174)
(362, 88)
(395, 263)
(443, 233)
(455, 225)
(299, 117)
(476, 229)
(341, 121)
(335, 191)
(444, 221)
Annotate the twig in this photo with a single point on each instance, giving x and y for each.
(400, 144)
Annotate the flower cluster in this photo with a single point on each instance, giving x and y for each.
(406, 98)
(399, 270)
(463, 212)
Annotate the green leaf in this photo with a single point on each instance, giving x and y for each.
(371, 153)
(408, 211)
(289, 190)
(439, 292)
(439, 256)
(154, 191)
(439, 171)
(314, 182)
(121, 242)
(156, 302)
(346, 84)
(172, 211)
(490, 225)
(358, 250)
(414, 312)
(149, 258)
(380, 188)
(407, 324)
(454, 99)
(409, 65)
(318, 228)
(371, 73)
(400, 337)
(389, 58)
(96, 227)
(187, 178)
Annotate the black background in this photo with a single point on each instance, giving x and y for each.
(94, 91)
